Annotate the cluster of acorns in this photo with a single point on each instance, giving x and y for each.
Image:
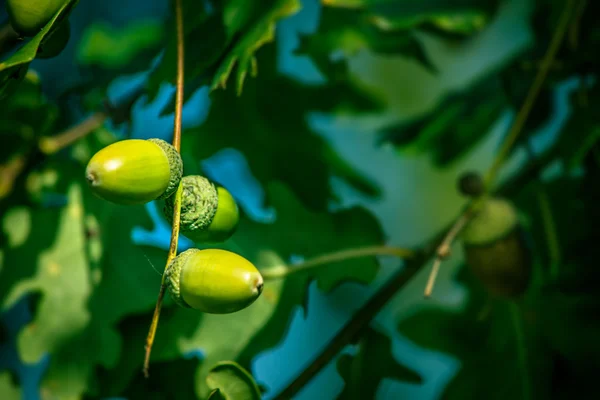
(28, 18)
(135, 171)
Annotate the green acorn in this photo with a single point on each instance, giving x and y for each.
(495, 249)
(55, 42)
(214, 281)
(209, 214)
(28, 17)
(135, 171)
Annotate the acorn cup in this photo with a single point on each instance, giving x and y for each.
(214, 281)
(495, 249)
(28, 17)
(209, 214)
(135, 171)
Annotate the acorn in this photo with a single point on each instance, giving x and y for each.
(209, 214)
(55, 42)
(495, 249)
(213, 281)
(471, 184)
(135, 171)
(28, 17)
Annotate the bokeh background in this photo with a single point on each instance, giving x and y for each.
(418, 198)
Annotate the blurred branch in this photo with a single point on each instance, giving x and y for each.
(533, 93)
(9, 173)
(178, 194)
(279, 272)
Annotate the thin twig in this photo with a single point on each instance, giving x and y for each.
(533, 93)
(443, 250)
(177, 204)
(284, 271)
(9, 173)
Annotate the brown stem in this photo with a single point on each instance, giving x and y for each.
(177, 204)
(52, 144)
(443, 250)
(9, 173)
(533, 93)
(284, 271)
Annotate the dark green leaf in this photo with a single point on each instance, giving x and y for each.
(16, 64)
(374, 362)
(226, 37)
(268, 125)
(232, 381)
(102, 45)
(455, 126)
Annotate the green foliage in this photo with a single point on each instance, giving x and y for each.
(113, 48)
(92, 290)
(374, 361)
(455, 126)
(14, 67)
(230, 381)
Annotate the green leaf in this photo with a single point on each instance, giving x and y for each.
(237, 30)
(18, 62)
(268, 125)
(8, 390)
(374, 362)
(454, 126)
(232, 381)
(60, 313)
(108, 47)
(350, 31)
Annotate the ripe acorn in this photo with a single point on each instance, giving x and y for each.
(28, 17)
(214, 281)
(209, 214)
(135, 171)
(495, 249)
(56, 41)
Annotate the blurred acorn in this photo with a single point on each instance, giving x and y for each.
(214, 281)
(209, 214)
(471, 184)
(495, 249)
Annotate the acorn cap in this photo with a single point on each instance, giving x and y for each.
(495, 219)
(199, 203)
(214, 281)
(175, 165)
